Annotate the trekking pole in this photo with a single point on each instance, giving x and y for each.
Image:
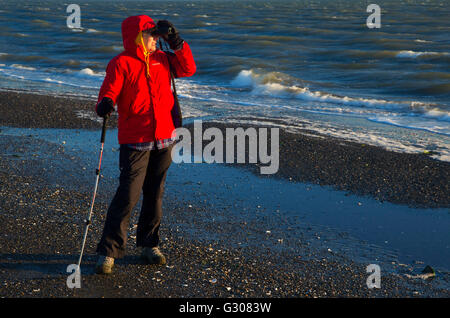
(97, 172)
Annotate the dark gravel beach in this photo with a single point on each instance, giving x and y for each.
(42, 220)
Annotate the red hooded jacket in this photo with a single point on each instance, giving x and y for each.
(144, 101)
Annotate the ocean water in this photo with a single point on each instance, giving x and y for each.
(310, 66)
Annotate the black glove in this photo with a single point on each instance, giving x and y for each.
(168, 32)
(105, 107)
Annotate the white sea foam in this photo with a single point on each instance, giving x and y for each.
(413, 54)
(306, 94)
(13, 75)
(65, 82)
(408, 114)
(89, 72)
(431, 112)
(411, 122)
(18, 66)
(373, 138)
(272, 84)
(85, 78)
(422, 41)
(243, 79)
(190, 112)
(51, 80)
(91, 31)
(438, 113)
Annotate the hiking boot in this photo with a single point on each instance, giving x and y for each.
(153, 256)
(104, 265)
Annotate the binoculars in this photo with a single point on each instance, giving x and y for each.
(161, 30)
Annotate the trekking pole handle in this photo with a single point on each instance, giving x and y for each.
(102, 140)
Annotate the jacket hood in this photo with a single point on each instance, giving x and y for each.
(131, 27)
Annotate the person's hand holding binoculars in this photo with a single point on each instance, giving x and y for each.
(167, 31)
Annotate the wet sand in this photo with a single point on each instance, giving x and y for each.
(42, 222)
(415, 180)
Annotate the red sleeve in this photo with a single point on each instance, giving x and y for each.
(183, 61)
(113, 82)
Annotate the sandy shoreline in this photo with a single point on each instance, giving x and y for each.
(34, 255)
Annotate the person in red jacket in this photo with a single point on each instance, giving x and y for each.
(138, 81)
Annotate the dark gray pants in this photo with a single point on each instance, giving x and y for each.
(139, 171)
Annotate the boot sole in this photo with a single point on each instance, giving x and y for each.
(102, 270)
(154, 260)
